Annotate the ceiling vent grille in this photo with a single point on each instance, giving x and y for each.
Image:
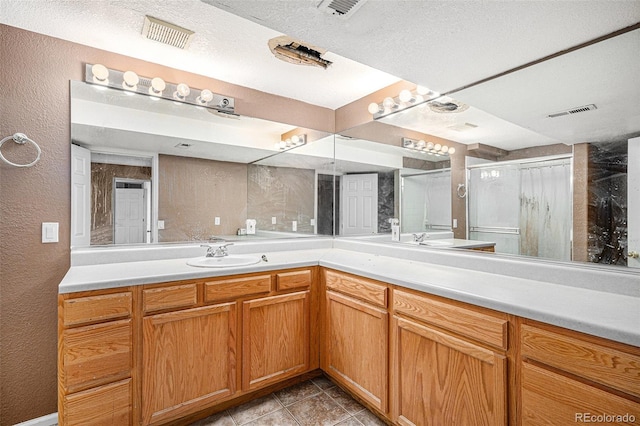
(165, 32)
(576, 110)
(341, 8)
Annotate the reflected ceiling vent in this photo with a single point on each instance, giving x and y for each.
(462, 127)
(576, 110)
(165, 32)
(295, 52)
(183, 145)
(341, 8)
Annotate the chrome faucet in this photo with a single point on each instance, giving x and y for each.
(418, 238)
(217, 251)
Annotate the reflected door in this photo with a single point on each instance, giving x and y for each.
(80, 196)
(633, 202)
(129, 215)
(359, 204)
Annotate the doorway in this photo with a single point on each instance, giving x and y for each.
(132, 212)
(359, 204)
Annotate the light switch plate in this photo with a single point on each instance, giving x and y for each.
(455, 223)
(294, 226)
(216, 221)
(160, 224)
(273, 220)
(50, 232)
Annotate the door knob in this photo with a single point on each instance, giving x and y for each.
(634, 254)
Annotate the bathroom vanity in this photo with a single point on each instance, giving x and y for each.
(417, 340)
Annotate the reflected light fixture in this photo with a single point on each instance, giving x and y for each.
(292, 142)
(130, 82)
(404, 100)
(427, 147)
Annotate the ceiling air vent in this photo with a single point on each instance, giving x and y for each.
(576, 110)
(165, 32)
(342, 8)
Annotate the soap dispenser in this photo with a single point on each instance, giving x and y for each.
(395, 229)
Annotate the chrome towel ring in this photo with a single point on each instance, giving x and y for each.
(20, 139)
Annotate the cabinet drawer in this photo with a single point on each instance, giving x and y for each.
(593, 361)
(96, 354)
(479, 326)
(552, 399)
(291, 280)
(106, 405)
(171, 297)
(236, 287)
(105, 307)
(360, 288)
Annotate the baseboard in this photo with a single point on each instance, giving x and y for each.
(48, 420)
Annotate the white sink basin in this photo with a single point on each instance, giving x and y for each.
(223, 262)
(437, 243)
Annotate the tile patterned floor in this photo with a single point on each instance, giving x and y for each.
(317, 402)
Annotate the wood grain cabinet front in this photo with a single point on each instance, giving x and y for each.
(355, 350)
(276, 338)
(189, 361)
(569, 377)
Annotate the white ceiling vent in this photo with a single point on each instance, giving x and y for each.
(165, 32)
(576, 110)
(342, 8)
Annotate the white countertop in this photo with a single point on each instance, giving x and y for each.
(605, 311)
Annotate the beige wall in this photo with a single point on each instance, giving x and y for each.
(34, 75)
(194, 191)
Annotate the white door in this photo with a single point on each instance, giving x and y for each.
(633, 202)
(80, 196)
(129, 216)
(359, 204)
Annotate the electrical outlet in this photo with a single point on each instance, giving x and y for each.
(312, 222)
(160, 224)
(455, 223)
(273, 220)
(294, 226)
(216, 221)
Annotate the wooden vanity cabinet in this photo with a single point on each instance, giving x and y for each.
(95, 357)
(439, 376)
(356, 336)
(569, 377)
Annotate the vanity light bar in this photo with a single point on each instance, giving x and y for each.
(427, 147)
(129, 81)
(292, 142)
(406, 99)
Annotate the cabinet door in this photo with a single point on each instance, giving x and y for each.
(276, 339)
(188, 361)
(356, 347)
(442, 380)
(552, 399)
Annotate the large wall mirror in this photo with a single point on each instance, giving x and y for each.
(547, 158)
(148, 170)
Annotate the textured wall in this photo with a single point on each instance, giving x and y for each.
(34, 75)
(193, 191)
(284, 193)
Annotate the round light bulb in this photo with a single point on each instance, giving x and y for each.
(283, 144)
(295, 139)
(405, 96)
(444, 148)
(205, 96)
(100, 74)
(182, 91)
(157, 86)
(130, 80)
(437, 147)
(287, 142)
(373, 108)
(452, 150)
(388, 102)
(429, 145)
(422, 90)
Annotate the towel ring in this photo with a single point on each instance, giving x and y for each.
(20, 139)
(461, 191)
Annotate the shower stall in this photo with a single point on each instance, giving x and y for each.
(426, 201)
(524, 206)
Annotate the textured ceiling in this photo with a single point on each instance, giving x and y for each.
(444, 45)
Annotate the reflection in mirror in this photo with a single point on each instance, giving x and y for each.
(191, 167)
(549, 154)
(376, 181)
